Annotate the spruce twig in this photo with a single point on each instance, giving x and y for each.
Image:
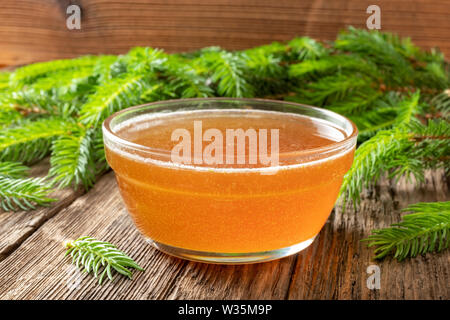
(13, 169)
(100, 258)
(31, 140)
(425, 230)
(73, 159)
(28, 74)
(117, 94)
(24, 193)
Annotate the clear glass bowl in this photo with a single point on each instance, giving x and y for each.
(234, 214)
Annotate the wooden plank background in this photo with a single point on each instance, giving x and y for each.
(35, 30)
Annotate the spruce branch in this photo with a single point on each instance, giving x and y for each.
(73, 159)
(144, 60)
(13, 170)
(113, 96)
(429, 143)
(29, 73)
(359, 102)
(4, 80)
(262, 65)
(369, 162)
(157, 91)
(331, 64)
(266, 72)
(227, 70)
(24, 193)
(31, 140)
(30, 101)
(9, 116)
(437, 129)
(374, 120)
(380, 48)
(402, 150)
(408, 109)
(305, 48)
(383, 112)
(433, 75)
(59, 95)
(103, 68)
(330, 89)
(440, 103)
(425, 230)
(185, 80)
(61, 79)
(100, 258)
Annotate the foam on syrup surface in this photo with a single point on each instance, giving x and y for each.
(297, 133)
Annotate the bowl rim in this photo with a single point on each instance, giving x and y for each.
(108, 133)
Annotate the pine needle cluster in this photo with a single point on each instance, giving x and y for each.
(397, 94)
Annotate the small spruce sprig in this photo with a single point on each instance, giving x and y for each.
(100, 258)
(427, 229)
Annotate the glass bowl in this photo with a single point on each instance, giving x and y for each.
(225, 212)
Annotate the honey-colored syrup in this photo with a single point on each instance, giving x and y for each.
(228, 207)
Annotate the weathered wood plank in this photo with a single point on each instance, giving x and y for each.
(333, 267)
(15, 227)
(36, 30)
(255, 281)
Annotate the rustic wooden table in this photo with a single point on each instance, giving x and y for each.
(33, 266)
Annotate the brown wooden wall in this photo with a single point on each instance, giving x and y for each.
(35, 30)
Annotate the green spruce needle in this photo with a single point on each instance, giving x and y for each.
(24, 193)
(425, 230)
(100, 258)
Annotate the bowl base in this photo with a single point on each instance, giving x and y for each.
(231, 258)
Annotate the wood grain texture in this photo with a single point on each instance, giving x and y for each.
(333, 267)
(33, 30)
